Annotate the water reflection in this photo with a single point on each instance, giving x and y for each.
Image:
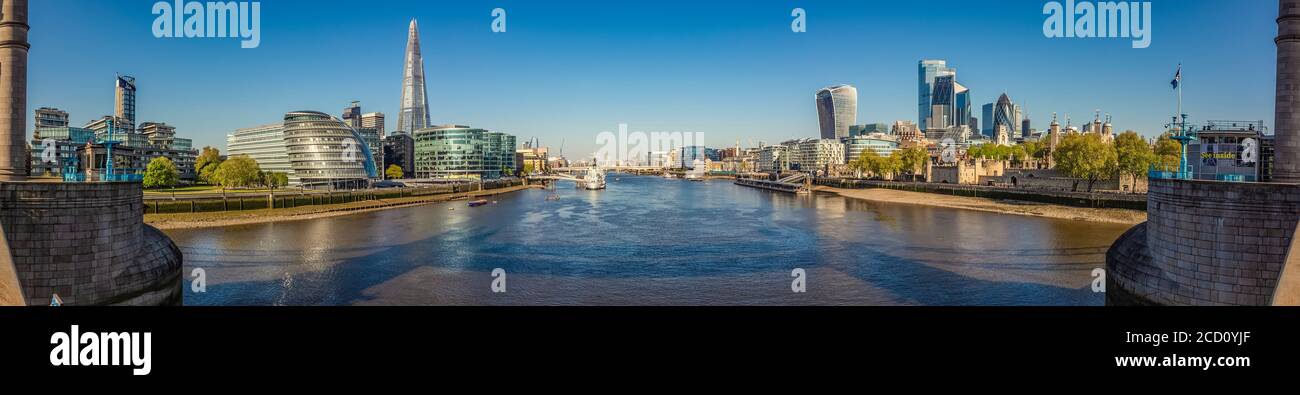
(647, 240)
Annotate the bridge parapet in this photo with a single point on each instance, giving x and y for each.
(11, 292)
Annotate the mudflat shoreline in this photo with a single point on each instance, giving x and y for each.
(231, 218)
(1033, 209)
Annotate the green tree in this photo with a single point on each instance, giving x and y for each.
(274, 180)
(237, 172)
(1032, 149)
(528, 168)
(913, 160)
(890, 166)
(863, 163)
(874, 164)
(990, 151)
(206, 164)
(1086, 157)
(393, 172)
(1168, 153)
(161, 172)
(1133, 155)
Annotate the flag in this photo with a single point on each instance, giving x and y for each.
(1178, 77)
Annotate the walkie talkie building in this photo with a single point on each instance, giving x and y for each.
(837, 110)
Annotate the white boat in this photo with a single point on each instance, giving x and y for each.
(669, 175)
(595, 179)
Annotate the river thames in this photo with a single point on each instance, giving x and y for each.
(653, 241)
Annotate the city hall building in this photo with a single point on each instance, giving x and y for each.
(311, 147)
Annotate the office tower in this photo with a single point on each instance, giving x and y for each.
(1286, 159)
(124, 103)
(399, 149)
(962, 106)
(462, 152)
(352, 115)
(1006, 113)
(374, 120)
(1024, 128)
(373, 136)
(927, 71)
(837, 110)
(415, 107)
(986, 123)
(943, 104)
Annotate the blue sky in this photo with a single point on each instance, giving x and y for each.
(568, 70)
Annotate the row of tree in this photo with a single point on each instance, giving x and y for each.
(1083, 156)
(239, 171)
(911, 160)
(1088, 158)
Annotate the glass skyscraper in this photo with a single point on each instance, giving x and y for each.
(837, 110)
(927, 71)
(1006, 113)
(986, 122)
(962, 110)
(415, 106)
(124, 103)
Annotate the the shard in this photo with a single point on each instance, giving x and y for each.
(415, 106)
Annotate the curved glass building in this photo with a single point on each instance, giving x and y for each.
(324, 150)
(1006, 114)
(837, 110)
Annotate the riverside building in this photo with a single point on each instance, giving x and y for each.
(463, 152)
(314, 149)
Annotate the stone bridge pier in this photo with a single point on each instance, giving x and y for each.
(85, 242)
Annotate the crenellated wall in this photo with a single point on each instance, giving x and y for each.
(87, 242)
